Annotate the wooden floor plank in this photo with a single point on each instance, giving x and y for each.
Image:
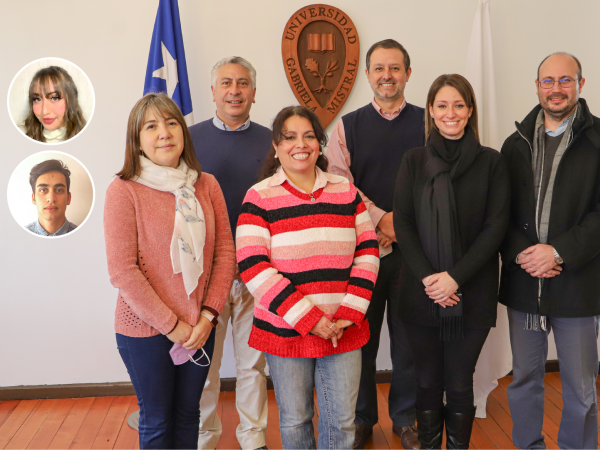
(378, 439)
(230, 420)
(51, 425)
(101, 422)
(6, 409)
(117, 414)
(85, 437)
(554, 381)
(500, 416)
(479, 439)
(30, 427)
(385, 421)
(127, 435)
(495, 434)
(273, 435)
(551, 394)
(69, 428)
(11, 425)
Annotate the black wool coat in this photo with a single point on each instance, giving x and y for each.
(574, 229)
(482, 201)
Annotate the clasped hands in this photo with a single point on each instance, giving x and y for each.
(324, 328)
(441, 288)
(538, 261)
(191, 337)
(385, 230)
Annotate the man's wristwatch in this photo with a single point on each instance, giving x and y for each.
(557, 258)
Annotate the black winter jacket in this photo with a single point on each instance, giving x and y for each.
(574, 229)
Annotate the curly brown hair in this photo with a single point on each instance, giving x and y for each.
(271, 163)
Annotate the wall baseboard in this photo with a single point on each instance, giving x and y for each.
(125, 388)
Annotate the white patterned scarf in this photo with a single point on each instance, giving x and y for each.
(189, 233)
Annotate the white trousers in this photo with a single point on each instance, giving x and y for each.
(251, 385)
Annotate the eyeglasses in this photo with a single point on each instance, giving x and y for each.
(548, 83)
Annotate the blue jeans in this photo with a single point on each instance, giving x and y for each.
(168, 395)
(336, 378)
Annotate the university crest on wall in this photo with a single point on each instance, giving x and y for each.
(320, 51)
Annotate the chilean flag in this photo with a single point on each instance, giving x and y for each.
(167, 71)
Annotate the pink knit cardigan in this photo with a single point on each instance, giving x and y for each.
(138, 227)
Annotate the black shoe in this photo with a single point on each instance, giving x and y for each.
(361, 436)
(430, 425)
(458, 428)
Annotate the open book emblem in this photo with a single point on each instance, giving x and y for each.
(321, 42)
(320, 49)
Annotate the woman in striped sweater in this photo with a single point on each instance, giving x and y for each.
(307, 251)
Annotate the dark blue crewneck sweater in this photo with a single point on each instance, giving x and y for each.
(233, 157)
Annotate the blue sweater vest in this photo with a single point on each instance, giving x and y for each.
(233, 157)
(376, 147)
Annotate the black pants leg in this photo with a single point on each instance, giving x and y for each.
(445, 366)
(403, 385)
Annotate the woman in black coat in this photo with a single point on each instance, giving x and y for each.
(451, 208)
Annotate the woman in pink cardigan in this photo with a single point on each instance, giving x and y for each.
(170, 254)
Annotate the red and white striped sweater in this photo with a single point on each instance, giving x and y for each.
(302, 256)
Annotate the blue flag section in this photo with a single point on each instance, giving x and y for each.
(167, 70)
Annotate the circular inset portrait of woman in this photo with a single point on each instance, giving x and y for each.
(51, 194)
(51, 100)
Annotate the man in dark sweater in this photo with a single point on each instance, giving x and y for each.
(232, 148)
(366, 147)
(551, 256)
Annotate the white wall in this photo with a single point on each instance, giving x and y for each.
(57, 304)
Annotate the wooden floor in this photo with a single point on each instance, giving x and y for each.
(101, 422)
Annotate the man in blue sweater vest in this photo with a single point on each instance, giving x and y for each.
(366, 147)
(232, 148)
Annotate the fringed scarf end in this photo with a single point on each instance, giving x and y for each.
(451, 328)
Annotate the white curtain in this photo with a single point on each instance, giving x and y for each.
(495, 360)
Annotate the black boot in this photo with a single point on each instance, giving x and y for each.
(430, 425)
(458, 428)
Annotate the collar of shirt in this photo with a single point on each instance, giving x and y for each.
(39, 229)
(322, 179)
(561, 128)
(385, 114)
(223, 126)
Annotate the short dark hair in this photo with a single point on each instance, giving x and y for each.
(389, 43)
(51, 165)
(579, 71)
(272, 163)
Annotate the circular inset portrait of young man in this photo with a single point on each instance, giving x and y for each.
(51, 100)
(51, 194)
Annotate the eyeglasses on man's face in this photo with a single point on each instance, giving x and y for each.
(548, 83)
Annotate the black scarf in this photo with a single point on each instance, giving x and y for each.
(438, 223)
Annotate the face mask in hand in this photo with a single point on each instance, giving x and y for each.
(181, 355)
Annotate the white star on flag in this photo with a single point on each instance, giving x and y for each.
(168, 72)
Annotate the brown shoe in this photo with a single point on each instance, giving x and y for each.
(361, 436)
(408, 436)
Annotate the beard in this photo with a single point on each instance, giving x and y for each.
(559, 113)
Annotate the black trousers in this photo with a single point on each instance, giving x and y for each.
(403, 389)
(445, 366)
